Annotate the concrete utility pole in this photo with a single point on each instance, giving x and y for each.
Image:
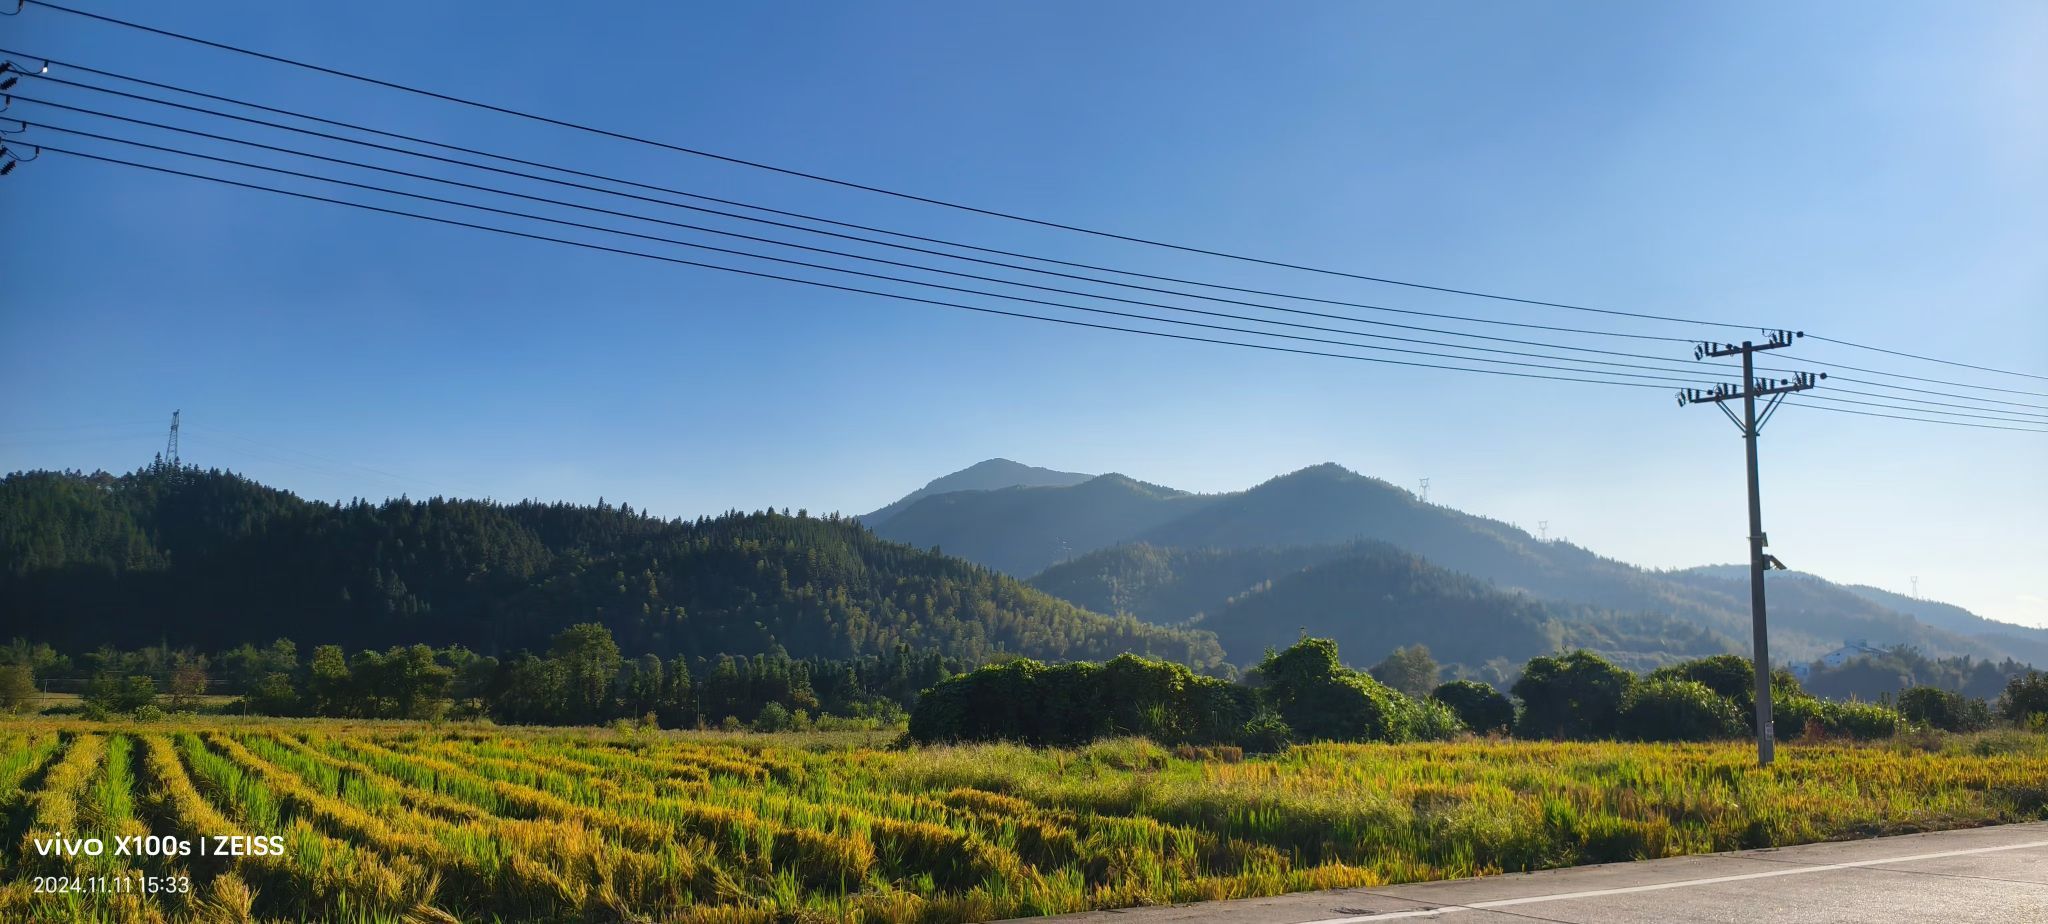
(1751, 424)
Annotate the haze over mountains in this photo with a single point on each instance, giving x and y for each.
(1297, 537)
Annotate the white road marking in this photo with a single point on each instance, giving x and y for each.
(1659, 886)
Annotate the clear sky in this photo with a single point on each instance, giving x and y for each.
(1874, 172)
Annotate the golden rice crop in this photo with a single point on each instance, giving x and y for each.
(403, 822)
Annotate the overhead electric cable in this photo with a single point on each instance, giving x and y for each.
(1925, 410)
(758, 165)
(1951, 423)
(816, 283)
(1945, 362)
(1915, 378)
(699, 228)
(820, 219)
(902, 297)
(1690, 376)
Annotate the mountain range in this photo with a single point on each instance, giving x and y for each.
(1000, 559)
(1285, 530)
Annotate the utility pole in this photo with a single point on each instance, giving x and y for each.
(1751, 424)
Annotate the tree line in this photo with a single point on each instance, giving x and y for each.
(581, 678)
(1305, 693)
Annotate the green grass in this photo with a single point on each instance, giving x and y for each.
(397, 821)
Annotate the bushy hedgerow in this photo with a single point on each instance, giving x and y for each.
(1305, 695)
(1322, 700)
(1944, 709)
(1577, 696)
(1072, 704)
(1799, 715)
(1481, 707)
(1679, 710)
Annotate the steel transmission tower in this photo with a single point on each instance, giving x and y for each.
(171, 448)
(1751, 424)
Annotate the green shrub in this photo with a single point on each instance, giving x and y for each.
(1481, 707)
(1577, 696)
(1679, 710)
(1797, 716)
(1944, 709)
(120, 694)
(2025, 700)
(1324, 701)
(1730, 675)
(1864, 721)
(1073, 704)
(17, 687)
(1426, 719)
(1265, 733)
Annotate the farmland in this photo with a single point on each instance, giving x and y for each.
(396, 821)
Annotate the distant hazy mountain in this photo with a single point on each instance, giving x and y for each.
(1022, 531)
(1369, 596)
(981, 476)
(1945, 615)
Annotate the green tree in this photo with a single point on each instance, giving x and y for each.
(589, 660)
(1678, 710)
(1320, 699)
(1577, 696)
(329, 687)
(108, 692)
(2025, 701)
(1944, 709)
(188, 682)
(1481, 707)
(1409, 670)
(17, 687)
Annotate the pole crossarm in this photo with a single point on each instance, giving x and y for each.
(1758, 388)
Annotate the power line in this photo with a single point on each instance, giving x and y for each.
(891, 244)
(897, 279)
(825, 285)
(1915, 378)
(1945, 362)
(772, 241)
(1924, 410)
(1967, 407)
(816, 218)
(696, 152)
(899, 296)
(1952, 423)
(1926, 391)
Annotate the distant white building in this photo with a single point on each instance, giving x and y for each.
(1851, 649)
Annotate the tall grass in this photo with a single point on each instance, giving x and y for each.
(392, 822)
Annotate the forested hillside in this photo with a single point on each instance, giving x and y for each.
(1368, 596)
(1024, 530)
(208, 559)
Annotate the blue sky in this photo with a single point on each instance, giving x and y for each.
(1874, 172)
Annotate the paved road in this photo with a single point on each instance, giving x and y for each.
(1983, 874)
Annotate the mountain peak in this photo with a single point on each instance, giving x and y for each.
(986, 475)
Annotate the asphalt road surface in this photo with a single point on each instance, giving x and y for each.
(1997, 874)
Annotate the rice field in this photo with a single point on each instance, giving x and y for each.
(398, 822)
